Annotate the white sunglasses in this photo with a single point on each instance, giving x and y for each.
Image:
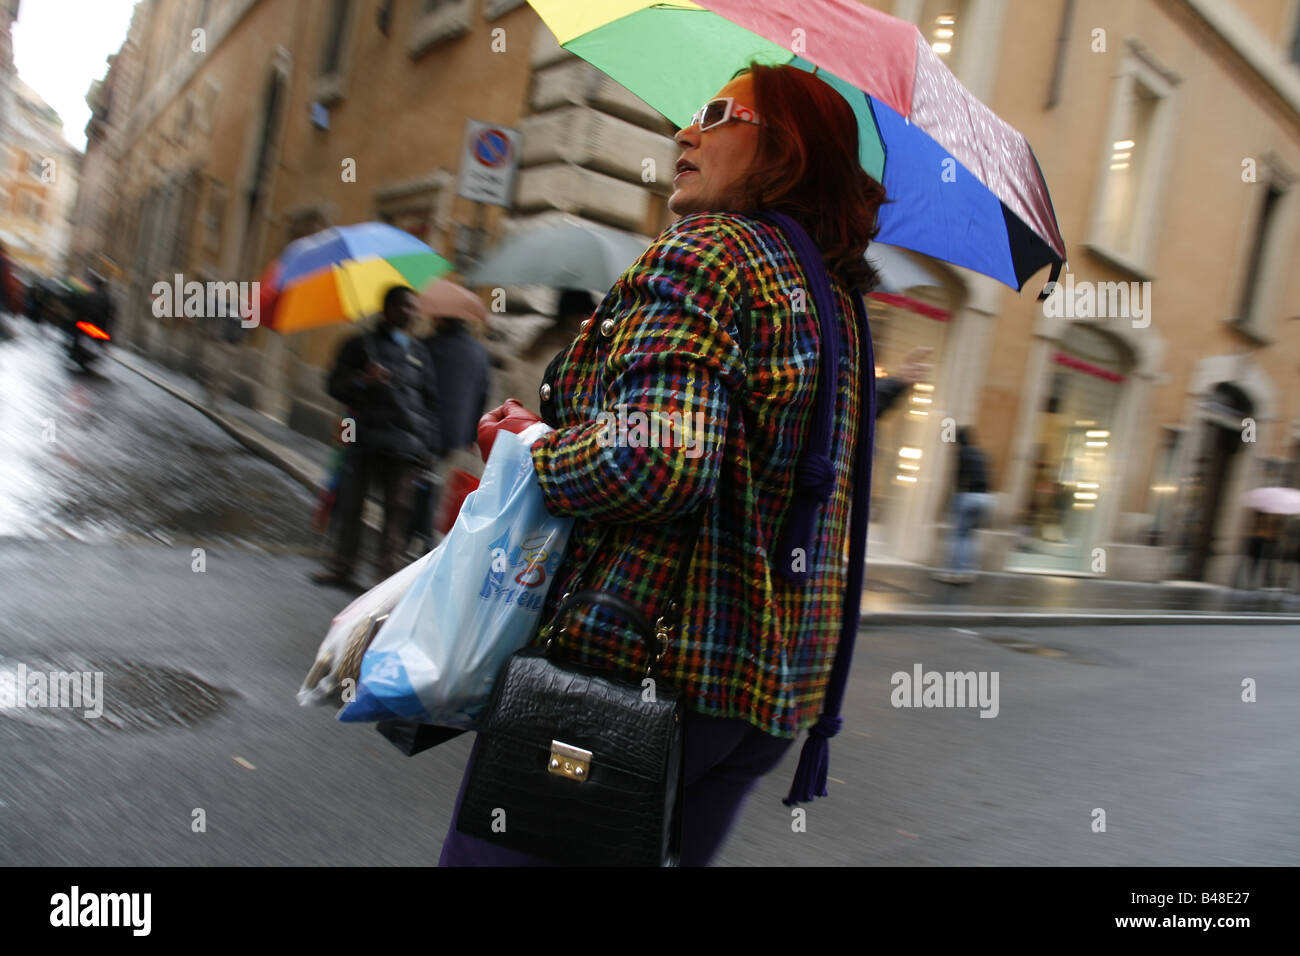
(722, 110)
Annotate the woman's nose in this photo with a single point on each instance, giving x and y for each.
(688, 138)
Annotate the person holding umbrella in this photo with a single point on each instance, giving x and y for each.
(704, 322)
(388, 381)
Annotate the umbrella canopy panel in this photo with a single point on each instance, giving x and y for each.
(965, 186)
(562, 253)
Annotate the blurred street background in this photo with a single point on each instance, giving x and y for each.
(1145, 721)
(1117, 535)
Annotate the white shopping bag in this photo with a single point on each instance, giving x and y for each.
(474, 604)
(322, 684)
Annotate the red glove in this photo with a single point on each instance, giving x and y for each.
(511, 417)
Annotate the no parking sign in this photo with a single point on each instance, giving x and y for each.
(488, 163)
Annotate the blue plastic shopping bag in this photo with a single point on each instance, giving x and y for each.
(476, 602)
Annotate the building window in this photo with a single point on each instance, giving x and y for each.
(1133, 165)
(335, 30)
(1295, 39)
(214, 217)
(207, 110)
(335, 54)
(305, 222)
(495, 8)
(414, 213)
(185, 120)
(266, 140)
(1261, 271)
(437, 21)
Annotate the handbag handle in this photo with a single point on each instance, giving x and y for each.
(664, 625)
(615, 603)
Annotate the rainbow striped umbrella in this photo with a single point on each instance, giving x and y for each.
(341, 274)
(964, 185)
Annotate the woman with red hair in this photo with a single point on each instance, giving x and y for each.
(716, 324)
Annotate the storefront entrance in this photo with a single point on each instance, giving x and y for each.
(899, 325)
(1220, 441)
(1073, 454)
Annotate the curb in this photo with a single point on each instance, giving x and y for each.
(305, 473)
(1003, 618)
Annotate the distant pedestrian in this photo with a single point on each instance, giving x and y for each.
(1255, 568)
(1291, 567)
(461, 363)
(388, 382)
(971, 504)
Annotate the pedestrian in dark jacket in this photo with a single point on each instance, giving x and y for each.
(387, 381)
(461, 364)
(970, 505)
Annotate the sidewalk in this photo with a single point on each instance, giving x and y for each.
(907, 594)
(894, 594)
(304, 459)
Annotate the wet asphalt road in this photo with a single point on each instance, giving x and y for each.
(97, 531)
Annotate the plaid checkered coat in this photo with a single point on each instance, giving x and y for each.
(728, 408)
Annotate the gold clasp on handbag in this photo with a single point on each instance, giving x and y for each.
(569, 761)
(663, 632)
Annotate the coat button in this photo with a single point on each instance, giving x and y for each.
(546, 391)
(607, 328)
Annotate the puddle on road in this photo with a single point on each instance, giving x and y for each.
(105, 459)
(1021, 646)
(129, 696)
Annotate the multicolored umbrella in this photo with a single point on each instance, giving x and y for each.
(341, 274)
(964, 185)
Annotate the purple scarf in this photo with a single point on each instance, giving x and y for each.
(814, 481)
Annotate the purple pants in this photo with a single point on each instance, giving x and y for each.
(724, 759)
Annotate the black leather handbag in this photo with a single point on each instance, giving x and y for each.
(579, 766)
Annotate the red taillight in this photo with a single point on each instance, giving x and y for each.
(94, 331)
